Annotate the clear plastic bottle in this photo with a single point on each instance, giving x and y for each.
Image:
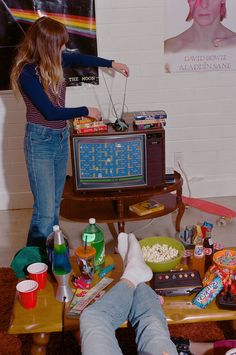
(198, 260)
(93, 235)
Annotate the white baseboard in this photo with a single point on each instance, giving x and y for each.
(16, 200)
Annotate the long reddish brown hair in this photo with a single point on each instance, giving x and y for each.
(42, 46)
(222, 10)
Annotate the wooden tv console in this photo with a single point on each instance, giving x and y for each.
(112, 206)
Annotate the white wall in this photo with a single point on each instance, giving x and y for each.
(201, 108)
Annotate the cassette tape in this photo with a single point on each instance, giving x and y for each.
(177, 283)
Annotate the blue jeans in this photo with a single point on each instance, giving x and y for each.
(46, 154)
(141, 306)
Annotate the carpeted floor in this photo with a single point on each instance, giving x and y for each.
(67, 345)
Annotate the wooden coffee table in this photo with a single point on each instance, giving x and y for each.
(47, 318)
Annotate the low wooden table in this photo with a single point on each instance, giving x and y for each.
(47, 316)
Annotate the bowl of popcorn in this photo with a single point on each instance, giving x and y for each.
(225, 259)
(162, 253)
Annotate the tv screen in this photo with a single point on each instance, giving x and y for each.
(114, 162)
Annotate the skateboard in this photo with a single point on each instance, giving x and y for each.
(225, 214)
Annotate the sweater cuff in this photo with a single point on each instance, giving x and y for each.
(85, 111)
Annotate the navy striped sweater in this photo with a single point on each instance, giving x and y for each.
(51, 112)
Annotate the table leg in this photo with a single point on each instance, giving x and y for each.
(179, 216)
(112, 230)
(121, 226)
(233, 324)
(181, 208)
(40, 342)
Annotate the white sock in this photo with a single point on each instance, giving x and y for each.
(136, 270)
(123, 245)
(134, 246)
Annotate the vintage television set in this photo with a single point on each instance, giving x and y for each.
(118, 160)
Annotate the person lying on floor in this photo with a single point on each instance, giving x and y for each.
(130, 299)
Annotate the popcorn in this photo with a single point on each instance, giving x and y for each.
(159, 253)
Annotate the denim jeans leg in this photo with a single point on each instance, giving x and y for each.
(46, 159)
(99, 321)
(148, 320)
(60, 173)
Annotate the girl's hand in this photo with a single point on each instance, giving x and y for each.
(120, 68)
(94, 113)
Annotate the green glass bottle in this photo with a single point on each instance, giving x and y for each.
(93, 235)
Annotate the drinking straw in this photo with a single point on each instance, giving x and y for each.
(85, 244)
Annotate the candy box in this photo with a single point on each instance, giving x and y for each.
(208, 293)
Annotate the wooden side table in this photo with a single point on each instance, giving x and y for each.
(113, 206)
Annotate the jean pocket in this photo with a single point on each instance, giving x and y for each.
(38, 137)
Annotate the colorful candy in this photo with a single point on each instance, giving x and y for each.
(208, 293)
(227, 259)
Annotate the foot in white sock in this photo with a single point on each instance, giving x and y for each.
(123, 246)
(136, 270)
(134, 246)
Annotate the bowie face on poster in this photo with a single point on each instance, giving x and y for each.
(205, 37)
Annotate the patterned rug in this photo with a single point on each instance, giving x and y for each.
(65, 344)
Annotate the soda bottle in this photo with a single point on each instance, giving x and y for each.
(208, 245)
(93, 235)
(198, 260)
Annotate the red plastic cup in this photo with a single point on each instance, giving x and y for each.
(38, 272)
(27, 293)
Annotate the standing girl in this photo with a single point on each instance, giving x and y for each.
(38, 75)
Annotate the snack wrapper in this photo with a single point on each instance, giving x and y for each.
(211, 273)
(208, 293)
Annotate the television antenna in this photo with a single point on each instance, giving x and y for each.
(119, 124)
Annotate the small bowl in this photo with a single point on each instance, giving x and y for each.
(221, 256)
(171, 242)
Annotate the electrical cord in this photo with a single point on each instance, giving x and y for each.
(189, 193)
(186, 179)
(145, 226)
(63, 326)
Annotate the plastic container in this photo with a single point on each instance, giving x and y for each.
(225, 259)
(198, 260)
(93, 235)
(85, 260)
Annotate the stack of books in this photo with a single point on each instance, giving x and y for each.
(89, 125)
(149, 119)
